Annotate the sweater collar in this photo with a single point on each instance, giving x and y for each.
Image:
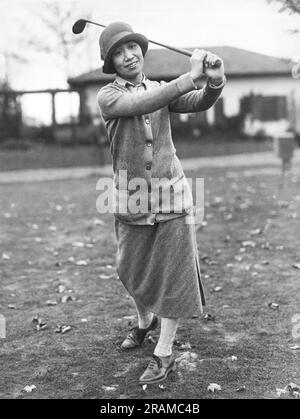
(126, 83)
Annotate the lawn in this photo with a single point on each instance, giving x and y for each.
(36, 156)
(51, 242)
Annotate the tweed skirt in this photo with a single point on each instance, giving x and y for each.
(159, 266)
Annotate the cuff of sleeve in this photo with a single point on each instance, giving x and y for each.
(220, 86)
(185, 83)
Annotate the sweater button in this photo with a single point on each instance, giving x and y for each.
(147, 121)
(149, 143)
(148, 166)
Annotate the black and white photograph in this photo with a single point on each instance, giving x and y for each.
(150, 202)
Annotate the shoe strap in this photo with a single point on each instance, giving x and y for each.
(155, 361)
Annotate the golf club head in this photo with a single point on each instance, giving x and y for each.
(79, 26)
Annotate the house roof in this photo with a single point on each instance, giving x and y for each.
(164, 64)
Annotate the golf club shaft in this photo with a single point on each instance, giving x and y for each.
(179, 50)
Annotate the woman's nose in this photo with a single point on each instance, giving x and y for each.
(128, 55)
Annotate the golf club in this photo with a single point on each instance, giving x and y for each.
(80, 25)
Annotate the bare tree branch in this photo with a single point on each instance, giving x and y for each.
(290, 6)
(55, 18)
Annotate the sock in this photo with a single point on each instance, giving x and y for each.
(144, 317)
(167, 335)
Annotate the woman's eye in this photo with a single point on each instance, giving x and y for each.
(132, 46)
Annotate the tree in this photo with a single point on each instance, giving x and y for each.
(291, 7)
(49, 32)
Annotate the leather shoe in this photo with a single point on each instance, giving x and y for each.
(156, 371)
(136, 336)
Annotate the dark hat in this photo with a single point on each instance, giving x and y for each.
(114, 35)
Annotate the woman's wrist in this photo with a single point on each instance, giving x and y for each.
(216, 81)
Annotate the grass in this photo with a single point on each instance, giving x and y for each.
(79, 363)
(38, 156)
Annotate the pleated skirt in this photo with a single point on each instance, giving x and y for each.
(159, 266)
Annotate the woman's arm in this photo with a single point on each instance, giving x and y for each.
(197, 101)
(201, 100)
(114, 102)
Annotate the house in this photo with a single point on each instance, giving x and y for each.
(260, 87)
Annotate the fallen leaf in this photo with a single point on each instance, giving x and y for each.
(39, 323)
(29, 389)
(241, 389)
(296, 265)
(256, 232)
(61, 289)
(12, 306)
(151, 339)
(5, 256)
(52, 228)
(209, 318)
(185, 346)
(144, 387)
(273, 306)
(292, 387)
(281, 391)
(218, 289)
(51, 303)
(110, 388)
(295, 348)
(162, 387)
(78, 244)
(213, 387)
(81, 263)
(67, 298)
(105, 277)
(233, 358)
(98, 222)
(63, 329)
(249, 243)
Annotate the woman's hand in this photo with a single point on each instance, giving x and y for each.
(216, 75)
(202, 63)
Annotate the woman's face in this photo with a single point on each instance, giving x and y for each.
(128, 61)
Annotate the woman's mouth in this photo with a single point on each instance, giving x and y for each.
(132, 66)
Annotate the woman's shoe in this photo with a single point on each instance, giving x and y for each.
(156, 371)
(136, 336)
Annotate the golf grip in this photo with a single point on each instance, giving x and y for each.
(186, 52)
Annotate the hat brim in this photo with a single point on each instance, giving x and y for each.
(140, 39)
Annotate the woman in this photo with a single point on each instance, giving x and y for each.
(157, 258)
